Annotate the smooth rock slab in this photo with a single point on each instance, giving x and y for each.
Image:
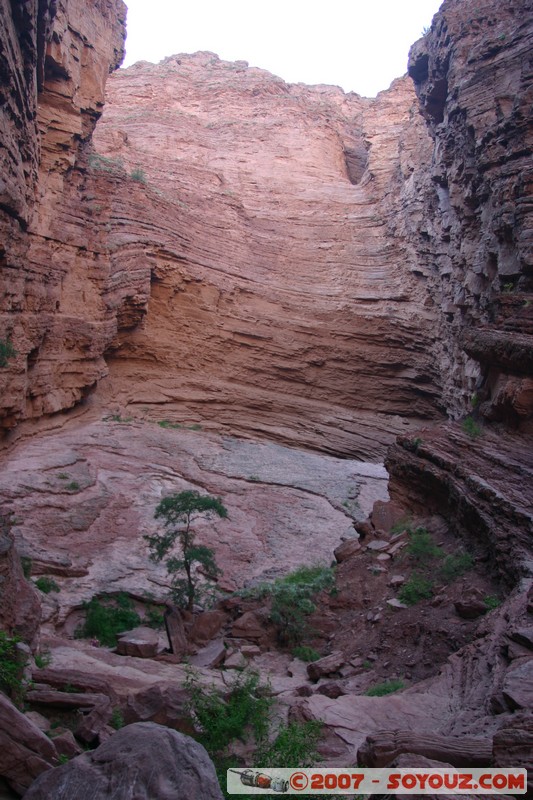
(141, 642)
(143, 761)
(292, 516)
(212, 655)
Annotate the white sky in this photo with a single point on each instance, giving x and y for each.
(361, 45)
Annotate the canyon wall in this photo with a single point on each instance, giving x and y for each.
(287, 297)
(276, 259)
(59, 295)
(237, 250)
(474, 80)
(473, 77)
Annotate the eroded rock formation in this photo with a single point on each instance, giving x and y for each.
(473, 79)
(55, 306)
(286, 298)
(295, 263)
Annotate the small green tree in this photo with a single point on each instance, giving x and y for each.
(178, 512)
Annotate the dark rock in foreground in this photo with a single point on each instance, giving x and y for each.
(144, 760)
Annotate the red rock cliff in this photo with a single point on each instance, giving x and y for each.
(55, 58)
(287, 298)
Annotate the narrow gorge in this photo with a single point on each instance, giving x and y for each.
(313, 305)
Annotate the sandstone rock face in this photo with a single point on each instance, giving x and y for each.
(84, 497)
(285, 297)
(123, 767)
(475, 92)
(55, 56)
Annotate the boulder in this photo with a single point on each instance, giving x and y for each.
(518, 684)
(123, 767)
(65, 700)
(470, 608)
(175, 631)
(524, 637)
(396, 604)
(25, 751)
(331, 689)
(74, 680)
(386, 514)
(377, 545)
(206, 626)
(141, 642)
(92, 723)
(347, 549)
(248, 626)
(20, 605)
(66, 744)
(235, 661)
(210, 656)
(325, 666)
(41, 722)
(512, 745)
(165, 705)
(395, 581)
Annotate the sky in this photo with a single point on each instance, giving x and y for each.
(360, 45)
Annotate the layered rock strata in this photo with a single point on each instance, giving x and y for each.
(473, 77)
(286, 297)
(59, 295)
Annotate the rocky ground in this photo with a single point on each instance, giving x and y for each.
(82, 500)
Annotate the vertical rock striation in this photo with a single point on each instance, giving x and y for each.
(55, 58)
(474, 80)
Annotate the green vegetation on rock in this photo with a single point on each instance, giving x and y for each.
(106, 617)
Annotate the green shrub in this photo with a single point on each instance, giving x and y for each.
(117, 418)
(455, 565)
(166, 423)
(305, 653)
(42, 660)
(138, 174)
(381, 689)
(11, 668)
(415, 589)
(294, 744)
(471, 428)
(73, 486)
(7, 351)
(46, 585)
(117, 719)
(223, 718)
(63, 476)
(492, 602)
(154, 617)
(292, 600)
(403, 524)
(27, 564)
(104, 164)
(421, 547)
(108, 616)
